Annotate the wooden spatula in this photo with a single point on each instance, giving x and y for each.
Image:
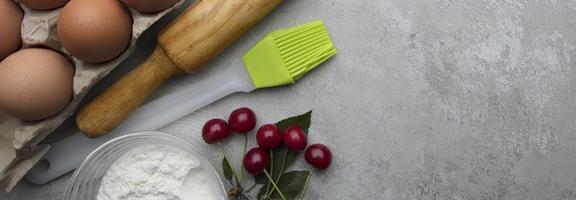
(184, 46)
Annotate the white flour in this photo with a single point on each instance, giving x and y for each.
(156, 173)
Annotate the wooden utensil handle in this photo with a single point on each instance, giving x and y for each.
(185, 45)
(107, 110)
(209, 26)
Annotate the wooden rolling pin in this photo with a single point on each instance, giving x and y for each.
(184, 46)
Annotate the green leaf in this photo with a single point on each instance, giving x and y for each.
(226, 170)
(302, 121)
(261, 179)
(282, 158)
(262, 192)
(291, 184)
(290, 159)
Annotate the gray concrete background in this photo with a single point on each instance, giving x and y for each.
(427, 99)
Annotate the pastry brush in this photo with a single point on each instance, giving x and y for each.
(281, 58)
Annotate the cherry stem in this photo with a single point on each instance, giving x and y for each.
(306, 184)
(281, 171)
(245, 149)
(274, 184)
(252, 187)
(230, 165)
(268, 191)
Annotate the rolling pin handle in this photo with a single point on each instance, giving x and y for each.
(107, 110)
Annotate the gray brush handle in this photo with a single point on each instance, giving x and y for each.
(67, 154)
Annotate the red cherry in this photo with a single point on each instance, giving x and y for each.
(215, 130)
(319, 156)
(256, 160)
(268, 136)
(242, 120)
(295, 139)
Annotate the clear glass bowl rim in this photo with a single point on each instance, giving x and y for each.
(69, 193)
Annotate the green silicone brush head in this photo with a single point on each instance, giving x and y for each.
(284, 56)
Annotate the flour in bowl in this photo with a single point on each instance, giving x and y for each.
(157, 173)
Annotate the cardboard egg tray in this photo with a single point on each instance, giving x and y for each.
(19, 140)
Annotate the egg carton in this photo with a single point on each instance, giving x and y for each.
(19, 141)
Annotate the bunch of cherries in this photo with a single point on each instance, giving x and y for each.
(243, 120)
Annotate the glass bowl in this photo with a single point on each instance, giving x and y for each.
(85, 182)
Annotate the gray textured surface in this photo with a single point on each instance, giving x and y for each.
(427, 99)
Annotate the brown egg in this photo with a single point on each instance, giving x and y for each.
(95, 30)
(35, 84)
(11, 21)
(44, 4)
(150, 6)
